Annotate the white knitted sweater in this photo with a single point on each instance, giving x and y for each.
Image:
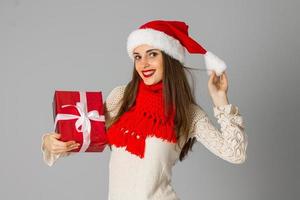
(133, 178)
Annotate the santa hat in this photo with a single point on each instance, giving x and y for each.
(173, 38)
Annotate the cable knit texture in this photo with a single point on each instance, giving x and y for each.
(150, 178)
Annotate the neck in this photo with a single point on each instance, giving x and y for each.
(154, 87)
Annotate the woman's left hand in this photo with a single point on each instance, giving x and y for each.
(218, 87)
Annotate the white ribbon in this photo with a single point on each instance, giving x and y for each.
(83, 123)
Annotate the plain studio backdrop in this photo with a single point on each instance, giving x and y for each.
(81, 45)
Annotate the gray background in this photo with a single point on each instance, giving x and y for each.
(81, 45)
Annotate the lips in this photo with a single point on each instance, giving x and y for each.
(148, 73)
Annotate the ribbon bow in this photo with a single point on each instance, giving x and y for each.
(83, 123)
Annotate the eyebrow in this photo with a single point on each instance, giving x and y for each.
(146, 51)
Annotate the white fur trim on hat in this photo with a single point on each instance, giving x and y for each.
(212, 62)
(157, 39)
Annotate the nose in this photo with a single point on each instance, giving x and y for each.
(145, 61)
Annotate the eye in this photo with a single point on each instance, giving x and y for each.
(136, 57)
(153, 53)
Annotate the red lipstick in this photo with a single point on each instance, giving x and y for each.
(148, 73)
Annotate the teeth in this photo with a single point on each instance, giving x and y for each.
(148, 73)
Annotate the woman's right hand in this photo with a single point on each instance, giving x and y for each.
(55, 146)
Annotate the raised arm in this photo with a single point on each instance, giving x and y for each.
(230, 142)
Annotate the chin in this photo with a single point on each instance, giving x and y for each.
(148, 82)
(151, 82)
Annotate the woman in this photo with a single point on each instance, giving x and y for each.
(154, 120)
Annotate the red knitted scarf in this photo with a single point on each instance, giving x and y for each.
(145, 118)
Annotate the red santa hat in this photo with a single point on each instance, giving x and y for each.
(173, 38)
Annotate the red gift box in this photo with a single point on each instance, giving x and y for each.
(79, 116)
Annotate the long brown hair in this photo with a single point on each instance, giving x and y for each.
(174, 82)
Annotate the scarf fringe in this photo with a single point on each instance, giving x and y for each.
(137, 129)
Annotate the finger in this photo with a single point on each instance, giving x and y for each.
(56, 135)
(214, 77)
(75, 146)
(64, 149)
(66, 146)
(211, 74)
(224, 78)
(63, 144)
(217, 79)
(211, 78)
(58, 151)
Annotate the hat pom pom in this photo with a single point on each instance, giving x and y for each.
(212, 62)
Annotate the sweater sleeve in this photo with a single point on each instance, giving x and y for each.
(111, 105)
(50, 158)
(230, 142)
(113, 102)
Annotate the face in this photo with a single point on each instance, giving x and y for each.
(148, 63)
